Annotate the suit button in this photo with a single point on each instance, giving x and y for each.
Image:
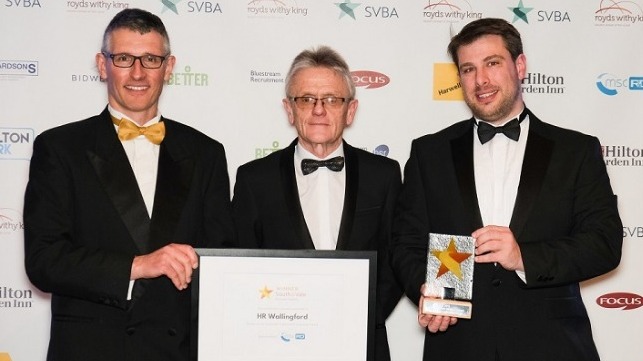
(171, 332)
(130, 331)
(496, 282)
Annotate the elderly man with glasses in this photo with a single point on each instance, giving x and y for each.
(114, 206)
(320, 192)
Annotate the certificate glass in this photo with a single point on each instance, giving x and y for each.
(269, 305)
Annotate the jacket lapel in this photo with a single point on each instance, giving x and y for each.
(115, 174)
(462, 153)
(175, 171)
(291, 193)
(538, 154)
(350, 196)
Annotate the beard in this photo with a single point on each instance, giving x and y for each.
(499, 112)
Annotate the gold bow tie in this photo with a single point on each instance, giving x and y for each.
(128, 130)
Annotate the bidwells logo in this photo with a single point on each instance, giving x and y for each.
(369, 79)
(94, 6)
(610, 84)
(16, 143)
(19, 67)
(188, 78)
(623, 300)
(449, 11)
(446, 82)
(275, 8)
(618, 13)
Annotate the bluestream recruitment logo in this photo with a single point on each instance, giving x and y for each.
(369, 79)
(610, 84)
(618, 13)
(622, 156)
(265, 76)
(16, 143)
(188, 78)
(18, 68)
(275, 8)
(352, 10)
(193, 7)
(95, 6)
(22, 4)
(520, 12)
(10, 222)
(449, 11)
(540, 83)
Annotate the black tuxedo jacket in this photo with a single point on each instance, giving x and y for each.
(85, 220)
(268, 214)
(566, 223)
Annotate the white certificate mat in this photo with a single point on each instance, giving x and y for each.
(277, 305)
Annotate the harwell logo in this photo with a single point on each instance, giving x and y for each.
(449, 11)
(520, 12)
(610, 84)
(446, 82)
(369, 79)
(623, 300)
(4, 356)
(618, 13)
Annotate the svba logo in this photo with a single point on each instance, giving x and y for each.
(624, 300)
(347, 8)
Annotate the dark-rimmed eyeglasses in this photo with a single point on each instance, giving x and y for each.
(124, 60)
(309, 102)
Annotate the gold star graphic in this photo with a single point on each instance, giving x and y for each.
(265, 292)
(450, 260)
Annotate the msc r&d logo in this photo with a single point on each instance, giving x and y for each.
(16, 143)
(446, 82)
(610, 84)
(623, 300)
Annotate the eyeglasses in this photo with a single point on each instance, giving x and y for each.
(309, 102)
(148, 61)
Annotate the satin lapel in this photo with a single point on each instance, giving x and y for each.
(350, 196)
(462, 153)
(115, 174)
(176, 168)
(534, 167)
(291, 193)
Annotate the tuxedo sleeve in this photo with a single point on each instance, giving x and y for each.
(56, 260)
(592, 240)
(410, 229)
(244, 211)
(218, 222)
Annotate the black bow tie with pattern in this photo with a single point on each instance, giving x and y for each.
(310, 165)
(487, 131)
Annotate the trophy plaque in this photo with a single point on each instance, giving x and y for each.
(449, 275)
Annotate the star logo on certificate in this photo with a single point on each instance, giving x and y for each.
(265, 292)
(450, 260)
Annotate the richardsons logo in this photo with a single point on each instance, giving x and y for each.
(610, 84)
(188, 78)
(275, 8)
(449, 11)
(16, 143)
(539, 83)
(618, 13)
(15, 298)
(624, 300)
(94, 6)
(622, 156)
(18, 68)
(369, 79)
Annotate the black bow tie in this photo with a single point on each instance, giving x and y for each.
(487, 131)
(310, 165)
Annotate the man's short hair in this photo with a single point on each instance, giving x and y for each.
(325, 57)
(487, 26)
(137, 20)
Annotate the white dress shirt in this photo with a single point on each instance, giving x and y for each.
(321, 194)
(497, 169)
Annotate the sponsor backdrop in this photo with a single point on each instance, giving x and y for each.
(584, 72)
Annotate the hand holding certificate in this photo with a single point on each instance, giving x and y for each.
(449, 276)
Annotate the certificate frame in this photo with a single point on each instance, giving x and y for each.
(223, 327)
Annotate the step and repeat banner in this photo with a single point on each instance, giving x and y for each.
(585, 71)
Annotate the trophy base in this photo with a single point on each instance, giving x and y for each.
(453, 308)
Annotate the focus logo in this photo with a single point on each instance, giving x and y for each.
(369, 79)
(623, 300)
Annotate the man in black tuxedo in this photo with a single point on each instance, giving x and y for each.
(537, 199)
(288, 201)
(113, 211)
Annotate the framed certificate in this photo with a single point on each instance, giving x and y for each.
(276, 305)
